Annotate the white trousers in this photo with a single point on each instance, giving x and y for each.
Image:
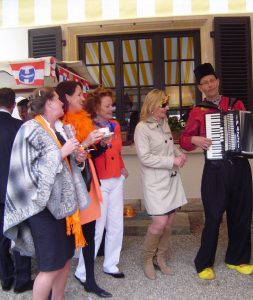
(112, 220)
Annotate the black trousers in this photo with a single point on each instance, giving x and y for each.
(20, 268)
(226, 187)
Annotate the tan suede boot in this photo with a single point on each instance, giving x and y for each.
(162, 252)
(150, 247)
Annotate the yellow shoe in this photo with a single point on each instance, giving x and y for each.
(243, 269)
(207, 274)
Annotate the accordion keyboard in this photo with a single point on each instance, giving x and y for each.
(224, 131)
(214, 131)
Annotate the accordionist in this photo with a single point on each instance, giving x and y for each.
(226, 184)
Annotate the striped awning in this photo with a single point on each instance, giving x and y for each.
(29, 13)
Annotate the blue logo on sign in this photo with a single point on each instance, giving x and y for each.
(26, 74)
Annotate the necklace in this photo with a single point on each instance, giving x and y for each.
(108, 124)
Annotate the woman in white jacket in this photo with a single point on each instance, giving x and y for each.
(162, 186)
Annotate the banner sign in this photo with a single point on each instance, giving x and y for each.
(63, 74)
(29, 73)
(83, 81)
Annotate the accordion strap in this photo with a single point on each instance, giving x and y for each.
(231, 103)
(208, 104)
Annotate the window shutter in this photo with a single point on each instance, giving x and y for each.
(45, 42)
(233, 57)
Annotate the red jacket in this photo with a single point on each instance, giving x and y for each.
(110, 163)
(195, 125)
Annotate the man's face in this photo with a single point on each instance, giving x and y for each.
(23, 112)
(209, 85)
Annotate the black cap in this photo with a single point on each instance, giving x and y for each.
(204, 70)
(22, 102)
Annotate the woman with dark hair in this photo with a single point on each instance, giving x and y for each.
(43, 195)
(71, 94)
(112, 173)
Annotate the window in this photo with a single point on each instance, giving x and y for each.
(132, 65)
(99, 58)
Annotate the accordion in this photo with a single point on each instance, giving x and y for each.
(231, 134)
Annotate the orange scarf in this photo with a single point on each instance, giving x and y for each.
(82, 123)
(72, 222)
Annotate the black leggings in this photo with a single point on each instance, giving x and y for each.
(89, 252)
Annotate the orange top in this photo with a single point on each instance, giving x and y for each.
(110, 163)
(83, 126)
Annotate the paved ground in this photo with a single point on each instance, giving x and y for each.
(184, 285)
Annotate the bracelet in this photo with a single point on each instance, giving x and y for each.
(85, 145)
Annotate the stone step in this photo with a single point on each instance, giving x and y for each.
(138, 225)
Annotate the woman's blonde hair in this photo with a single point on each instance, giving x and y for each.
(152, 101)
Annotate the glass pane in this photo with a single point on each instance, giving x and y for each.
(143, 93)
(145, 50)
(91, 50)
(131, 99)
(129, 50)
(146, 74)
(170, 48)
(130, 74)
(94, 72)
(171, 73)
(188, 95)
(186, 48)
(187, 68)
(173, 92)
(108, 76)
(131, 120)
(128, 100)
(107, 52)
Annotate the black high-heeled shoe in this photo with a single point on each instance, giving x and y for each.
(97, 291)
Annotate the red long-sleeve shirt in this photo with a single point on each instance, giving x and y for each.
(195, 125)
(110, 163)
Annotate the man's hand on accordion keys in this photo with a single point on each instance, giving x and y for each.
(202, 142)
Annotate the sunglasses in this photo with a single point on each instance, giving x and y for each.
(165, 104)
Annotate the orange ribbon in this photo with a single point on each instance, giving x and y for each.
(72, 222)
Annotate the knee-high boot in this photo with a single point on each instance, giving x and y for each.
(150, 247)
(162, 252)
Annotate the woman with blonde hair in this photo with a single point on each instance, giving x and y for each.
(162, 186)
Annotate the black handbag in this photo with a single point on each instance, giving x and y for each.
(87, 175)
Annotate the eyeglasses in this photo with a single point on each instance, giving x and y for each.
(165, 104)
(207, 82)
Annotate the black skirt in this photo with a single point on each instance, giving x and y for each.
(53, 248)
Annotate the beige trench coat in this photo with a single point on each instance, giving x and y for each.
(161, 181)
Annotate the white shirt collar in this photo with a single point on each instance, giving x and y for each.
(5, 110)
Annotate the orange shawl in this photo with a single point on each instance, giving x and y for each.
(82, 123)
(72, 222)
